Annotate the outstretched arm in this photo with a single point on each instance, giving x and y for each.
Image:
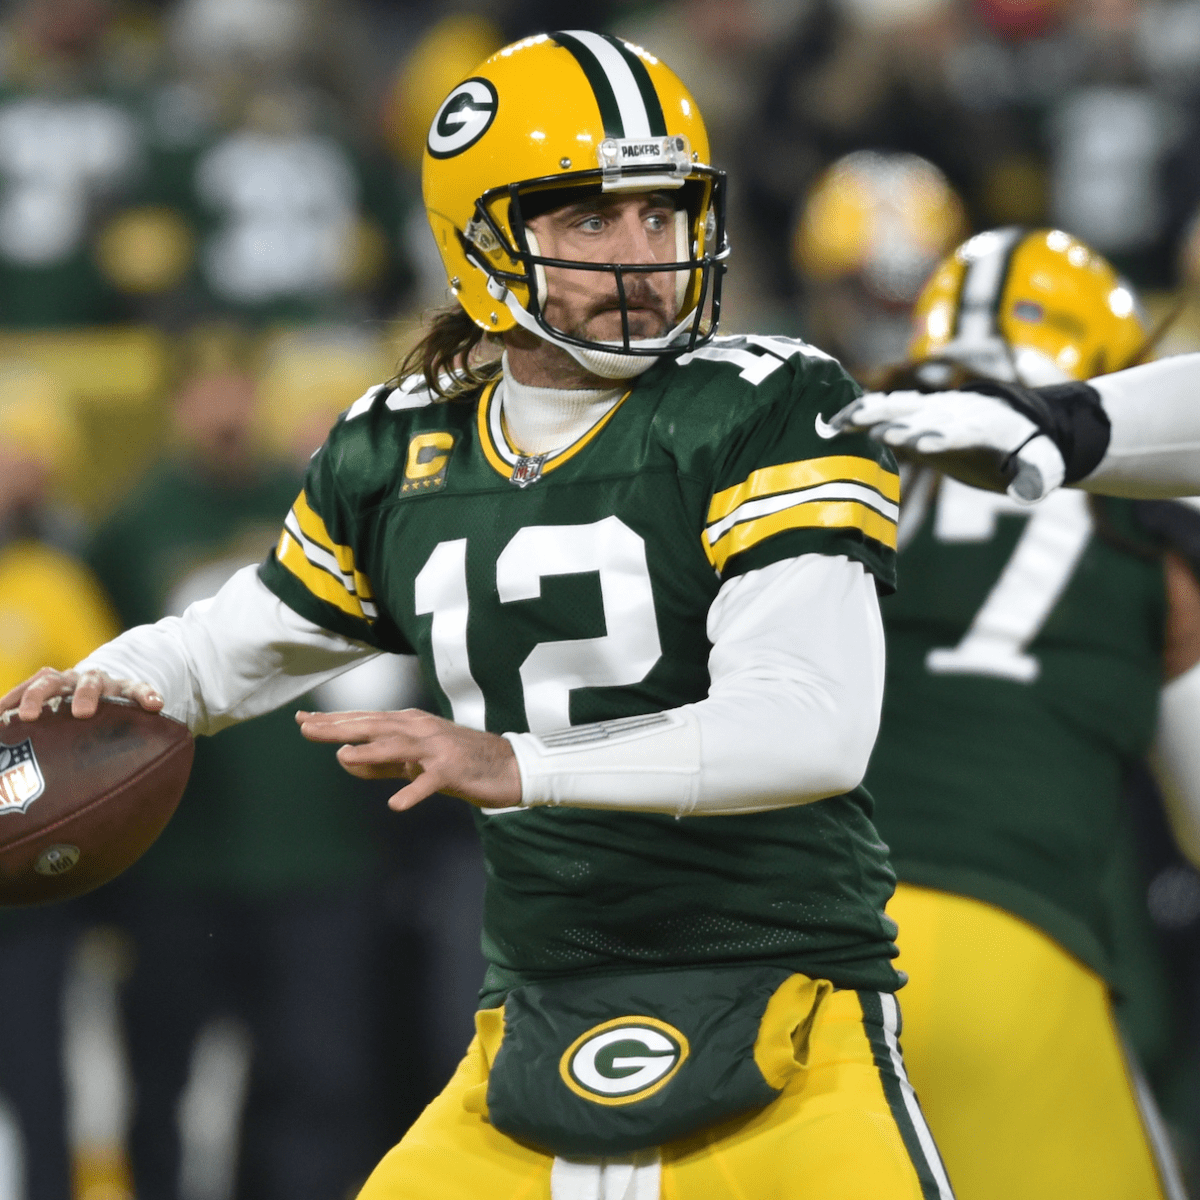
(238, 655)
(1134, 433)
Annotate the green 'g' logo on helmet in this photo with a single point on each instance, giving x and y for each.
(623, 1060)
(465, 116)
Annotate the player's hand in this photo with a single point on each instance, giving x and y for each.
(84, 687)
(435, 754)
(978, 439)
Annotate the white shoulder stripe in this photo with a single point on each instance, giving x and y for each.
(629, 97)
(324, 561)
(412, 393)
(418, 398)
(838, 490)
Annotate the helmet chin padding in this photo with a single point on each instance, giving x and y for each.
(539, 272)
(682, 278)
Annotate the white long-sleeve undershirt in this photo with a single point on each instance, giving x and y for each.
(796, 671)
(1154, 445)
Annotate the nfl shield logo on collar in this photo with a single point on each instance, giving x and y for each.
(21, 781)
(528, 470)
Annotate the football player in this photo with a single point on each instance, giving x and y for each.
(641, 569)
(1026, 659)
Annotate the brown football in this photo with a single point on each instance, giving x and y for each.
(81, 799)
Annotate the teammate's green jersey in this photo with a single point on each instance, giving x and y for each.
(572, 588)
(1024, 667)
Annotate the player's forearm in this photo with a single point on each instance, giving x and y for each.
(791, 716)
(1154, 443)
(239, 655)
(1176, 758)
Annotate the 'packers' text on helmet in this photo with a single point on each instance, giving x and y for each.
(1035, 307)
(543, 123)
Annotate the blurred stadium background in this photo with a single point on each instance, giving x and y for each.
(204, 186)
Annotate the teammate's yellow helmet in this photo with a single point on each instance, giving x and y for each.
(1036, 307)
(882, 216)
(536, 124)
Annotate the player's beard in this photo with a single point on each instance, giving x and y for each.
(648, 313)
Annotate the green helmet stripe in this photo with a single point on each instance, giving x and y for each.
(654, 112)
(602, 89)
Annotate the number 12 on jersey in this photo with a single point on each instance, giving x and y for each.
(552, 670)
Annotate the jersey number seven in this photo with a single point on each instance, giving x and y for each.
(1026, 590)
(551, 670)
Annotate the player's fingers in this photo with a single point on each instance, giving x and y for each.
(350, 727)
(89, 687)
(145, 694)
(393, 752)
(46, 684)
(420, 789)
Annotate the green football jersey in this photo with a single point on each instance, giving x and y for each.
(1024, 667)
(570, 588)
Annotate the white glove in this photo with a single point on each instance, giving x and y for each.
(978, 439)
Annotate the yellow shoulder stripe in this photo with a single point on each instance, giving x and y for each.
(314, 529)
(322, 585)
(817, 514)
(807, 472)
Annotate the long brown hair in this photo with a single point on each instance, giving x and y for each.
(449, 355)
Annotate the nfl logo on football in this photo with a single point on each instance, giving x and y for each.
(21, 781)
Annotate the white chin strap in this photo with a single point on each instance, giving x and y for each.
(608, 364)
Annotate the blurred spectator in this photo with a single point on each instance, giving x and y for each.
(72, 148)
(865, 239)
(284, 203)
(52, 613)
(255, 903)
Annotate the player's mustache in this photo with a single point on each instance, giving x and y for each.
(639, 293)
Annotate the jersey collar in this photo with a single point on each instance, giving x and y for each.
(506, 459)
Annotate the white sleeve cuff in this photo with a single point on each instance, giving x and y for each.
(649, 764)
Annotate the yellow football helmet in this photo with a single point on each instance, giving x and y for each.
(1033, 307)
(881, 216)
(536, 124)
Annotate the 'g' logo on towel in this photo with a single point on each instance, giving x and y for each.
(624, 1060)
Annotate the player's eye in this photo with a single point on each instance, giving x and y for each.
(592, 223)
(657, 222)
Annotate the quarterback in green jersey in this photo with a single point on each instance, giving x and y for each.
(641, 571)
(1027, 654)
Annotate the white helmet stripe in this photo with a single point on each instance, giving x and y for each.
(988, 256)
(632, 107)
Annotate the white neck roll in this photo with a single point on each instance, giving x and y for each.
(540, 420)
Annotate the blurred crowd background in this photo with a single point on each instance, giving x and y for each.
(211, 242)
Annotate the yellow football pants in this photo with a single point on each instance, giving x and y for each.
(846, 1127)
(1011, 1046)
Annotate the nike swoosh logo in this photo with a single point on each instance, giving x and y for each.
(824, 429)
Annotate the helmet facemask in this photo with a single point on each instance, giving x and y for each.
(701, 250)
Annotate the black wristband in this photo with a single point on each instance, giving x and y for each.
(1070, 414)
